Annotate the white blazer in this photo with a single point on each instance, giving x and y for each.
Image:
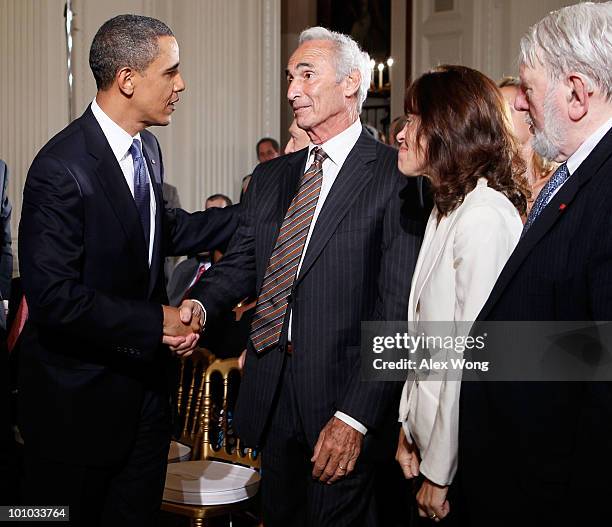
(459, 262)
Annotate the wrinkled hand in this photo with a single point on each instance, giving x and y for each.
(336, 451)
(432, 501)
(407, 456)
(182, 328)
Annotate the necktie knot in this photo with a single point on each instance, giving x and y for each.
(135, 150)
(319, 156)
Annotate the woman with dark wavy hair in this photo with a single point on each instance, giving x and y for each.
(459, 136)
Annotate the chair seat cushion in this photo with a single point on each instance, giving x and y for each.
(209, 483)
(178, 452)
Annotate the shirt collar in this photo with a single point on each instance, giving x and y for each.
(576, 159)
(338, 147)
(118, 139)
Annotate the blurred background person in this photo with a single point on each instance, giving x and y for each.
(298, 139)
(459, 136)
(228, 335)
(171, 197)
(538, 170)
(188, 271)
(267, 148)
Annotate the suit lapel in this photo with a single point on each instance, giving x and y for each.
(355, 173)
(115, 187)
(289, 183)
(556, 208)
(433, 244)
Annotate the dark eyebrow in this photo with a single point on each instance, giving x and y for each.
(172, 68)
(300, 65)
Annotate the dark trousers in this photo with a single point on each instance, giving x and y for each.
(128, 494)
(290, 496)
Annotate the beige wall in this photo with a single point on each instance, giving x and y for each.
(482, 34)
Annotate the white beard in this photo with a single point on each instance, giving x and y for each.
(546, 141)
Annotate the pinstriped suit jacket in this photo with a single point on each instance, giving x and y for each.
(358, 266)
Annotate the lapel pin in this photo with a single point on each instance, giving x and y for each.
(152, 161)
(562, 207)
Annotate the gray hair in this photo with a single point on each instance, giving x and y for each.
(349, 57)
(125, 41)
(576, 38)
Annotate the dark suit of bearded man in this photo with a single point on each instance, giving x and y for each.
(95, 378)
(324, 432)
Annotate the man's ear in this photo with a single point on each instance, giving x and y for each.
(125, 81)
(351, 83)
(578, 98)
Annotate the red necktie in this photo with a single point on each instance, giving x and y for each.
(18, 324)
(201, 270)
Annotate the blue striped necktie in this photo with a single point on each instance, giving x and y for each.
(142, 195)
(556, 180)
(282, 268)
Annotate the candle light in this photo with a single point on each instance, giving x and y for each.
(389, 64)
(381, 67)
(372, 66)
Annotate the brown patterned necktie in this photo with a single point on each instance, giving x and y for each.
(282, 268)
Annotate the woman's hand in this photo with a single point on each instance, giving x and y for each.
(432, 501)
(407, 456)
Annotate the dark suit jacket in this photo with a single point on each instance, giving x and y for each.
(358, 266)
(535, 449)
(92, 344)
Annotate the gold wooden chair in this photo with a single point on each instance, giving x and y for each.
(188, 400)
(223, 478)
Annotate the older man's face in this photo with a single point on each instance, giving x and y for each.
(542, 100)
(318, 101)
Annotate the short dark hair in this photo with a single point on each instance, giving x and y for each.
(274, 143)
(225, 198)
(125, 40)
(468, 134)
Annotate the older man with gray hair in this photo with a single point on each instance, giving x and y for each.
(541, 453)
(324, 244)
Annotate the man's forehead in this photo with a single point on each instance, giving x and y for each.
(310, 54)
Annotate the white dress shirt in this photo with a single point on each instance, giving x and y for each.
(120, 142)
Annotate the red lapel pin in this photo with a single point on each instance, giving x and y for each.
(562, 207)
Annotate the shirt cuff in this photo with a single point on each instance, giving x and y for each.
(203, 311)
(351, 422)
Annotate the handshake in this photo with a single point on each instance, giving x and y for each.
(182, 327)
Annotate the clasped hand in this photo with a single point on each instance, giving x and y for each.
(182, 327)
(431, 498)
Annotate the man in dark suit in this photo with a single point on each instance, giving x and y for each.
(323, 245)
(94, 379)
(540, 453)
